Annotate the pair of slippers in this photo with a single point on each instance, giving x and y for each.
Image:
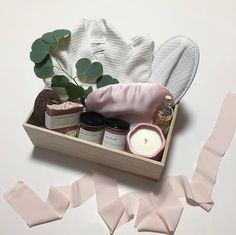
(175, 64)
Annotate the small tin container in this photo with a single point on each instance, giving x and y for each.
(115, 133)
(91, 127)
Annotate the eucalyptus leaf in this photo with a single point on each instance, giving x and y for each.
(106, 80)
(86, 93)
(59, 81)
(39, 44)
(38, 56)
(39, 51)
(49, 38)
(88, 72)
(74, 91)
(45, 68)
(61, 34)
(82, 65)
(94, 71)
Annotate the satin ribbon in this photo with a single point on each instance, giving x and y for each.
(156, 211)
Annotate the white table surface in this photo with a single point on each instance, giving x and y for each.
(210, 23)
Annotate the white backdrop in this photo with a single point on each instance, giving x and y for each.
(210, 23)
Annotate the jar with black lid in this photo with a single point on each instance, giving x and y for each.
(115, 133)
(91, 127)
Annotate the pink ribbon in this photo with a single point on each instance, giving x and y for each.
(154, 211)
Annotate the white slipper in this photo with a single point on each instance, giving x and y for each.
(175, 64)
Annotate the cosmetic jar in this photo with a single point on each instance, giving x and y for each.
(115, 133)
(91, 127)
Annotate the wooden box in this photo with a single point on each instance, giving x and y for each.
(124, 161)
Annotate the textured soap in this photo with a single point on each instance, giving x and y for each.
(63, 117)
(45, 97)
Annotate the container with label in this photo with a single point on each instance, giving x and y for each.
(91, 127)
(115, 133)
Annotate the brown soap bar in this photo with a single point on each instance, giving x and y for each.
(45, 97)
(64, 108)
(63, 117)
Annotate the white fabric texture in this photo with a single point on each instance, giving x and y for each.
(127, 61)
(175, 64)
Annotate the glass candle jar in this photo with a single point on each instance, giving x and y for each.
(91, 127)
(115, 133)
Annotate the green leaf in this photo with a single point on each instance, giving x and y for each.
(59, 81)
(57, 39)
(49, 38)
(74, 91)
(88, 72)
(106, 80)
(39, 51)
(38, 56)
(39, 44)
(61, 34)
(45, 68)
(94, 71)
(82, 65)
(86, 93)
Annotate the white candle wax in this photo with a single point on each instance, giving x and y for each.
(146, 142)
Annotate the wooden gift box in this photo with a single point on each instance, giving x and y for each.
(120, 160)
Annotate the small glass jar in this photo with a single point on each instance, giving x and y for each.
(164, 114)
(91, 127)
(115, 133)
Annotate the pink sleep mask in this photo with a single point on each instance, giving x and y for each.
(126, 100)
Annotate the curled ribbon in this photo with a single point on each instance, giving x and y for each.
(154, 211)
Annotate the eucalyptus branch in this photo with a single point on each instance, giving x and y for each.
(62, 69)
(45, 49)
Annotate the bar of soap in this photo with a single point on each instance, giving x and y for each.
(45, 97)
(63, 117)
(64, 108)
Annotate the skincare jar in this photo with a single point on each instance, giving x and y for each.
(115, 133)
(91, 127)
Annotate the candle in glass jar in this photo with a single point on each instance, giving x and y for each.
(146, 140)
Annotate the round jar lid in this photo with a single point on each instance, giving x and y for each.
(92, 119)
(117, 124)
